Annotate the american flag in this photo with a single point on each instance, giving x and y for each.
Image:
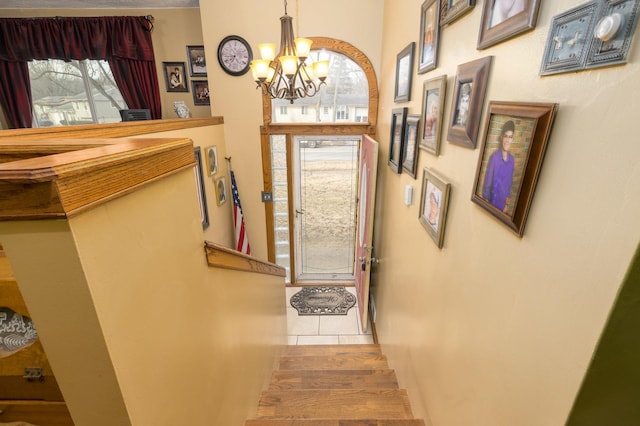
(242, 240)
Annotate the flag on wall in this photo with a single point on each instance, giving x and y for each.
(242, 240)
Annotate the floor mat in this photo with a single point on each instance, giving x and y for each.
(323, 301)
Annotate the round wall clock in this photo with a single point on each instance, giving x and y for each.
(234, 55)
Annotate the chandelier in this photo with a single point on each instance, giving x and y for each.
(291, 75)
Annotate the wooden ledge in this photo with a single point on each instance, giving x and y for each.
(110, 130)
(223, 257)
(60, 185)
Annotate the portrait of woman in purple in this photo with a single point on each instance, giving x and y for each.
(498, 178)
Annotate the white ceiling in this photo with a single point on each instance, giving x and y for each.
(97, 4)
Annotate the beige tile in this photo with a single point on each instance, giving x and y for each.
(318, 340)
(350, 339)
(339, 324)
(301, 325)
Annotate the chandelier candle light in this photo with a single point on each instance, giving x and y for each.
(292, 74)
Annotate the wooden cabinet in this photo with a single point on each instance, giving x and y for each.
(36, 400)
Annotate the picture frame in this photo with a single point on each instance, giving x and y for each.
(404, 73)
(396, 140)
(451, 10)
(197, 61)
(434, 204)
(429, 36)
(175, 77)
(221, 190)
(410, 149)
(526, 128)
(200, 89)
(212, 160)
(202, 196)
(500, 23)
(468, 98)
(433, 97)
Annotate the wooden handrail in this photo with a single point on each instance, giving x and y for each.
(223, 257)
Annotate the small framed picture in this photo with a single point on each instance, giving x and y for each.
(221, 190)
(434, 203)
(212, 160)
(515, 141)
(200, 89)
(175, 77)
(202, 197)
(505, 19)
(410, 151)
(404, 74)
(429, 35)
(396, 140)
(197, 61)
(433, 94)
(454, 9)
(468, 98)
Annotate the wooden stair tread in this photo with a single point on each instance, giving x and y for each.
(335, 404)
(334, 362)
(315, 350)
(334, 422)
(333, 379)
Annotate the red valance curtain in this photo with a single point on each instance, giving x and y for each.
(124, 41)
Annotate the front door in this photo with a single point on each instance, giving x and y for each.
(364, 228)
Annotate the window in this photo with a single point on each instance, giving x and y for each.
(283, 110)
(342, 113)
(304, 110)
(71, 93)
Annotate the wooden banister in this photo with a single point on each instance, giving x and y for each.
(223, 257)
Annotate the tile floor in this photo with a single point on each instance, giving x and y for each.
(325, 330)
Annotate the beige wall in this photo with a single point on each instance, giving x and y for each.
(236, 98)
(137, 328)
(174, 30)
(494, 329)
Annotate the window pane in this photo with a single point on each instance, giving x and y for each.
(70, 93)
(344, 98)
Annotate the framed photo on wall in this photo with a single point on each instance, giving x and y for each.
(175, 76)
(200, 89)
(429, 36)
(221, 190)
(434, 203)
(515, 141)
(404, 74)
(505, 19)
(454, 9)
(410, 152)
(433, 95)
(197, 61)
(467, 101)
(212, 160)
(396, 140)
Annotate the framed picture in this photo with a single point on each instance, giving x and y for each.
(212, 160)
(404, 73)
(202, 197)
(505, 19)
(410, 151)
(429, 35)
(175, 77)
(200, 89)
(221, 190)
(516, 137)
(434, 202)
(454, 9)
(468, 97)
(197, 61)
(396, 141)
(433, 94)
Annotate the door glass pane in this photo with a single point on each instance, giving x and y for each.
(344, 98)
(327, 202)
(280, 203)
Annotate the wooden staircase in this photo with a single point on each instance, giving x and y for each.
(334, 385)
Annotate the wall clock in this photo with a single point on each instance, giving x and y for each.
(234, 55)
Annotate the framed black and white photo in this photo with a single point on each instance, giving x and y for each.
(175, 77)
(197, 61)
(404, 74)
(396, 140)
(433, 97)
(410, 149)
(200, 89)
